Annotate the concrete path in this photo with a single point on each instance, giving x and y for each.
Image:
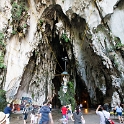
(89, 116)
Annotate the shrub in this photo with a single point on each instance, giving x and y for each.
(3, 101)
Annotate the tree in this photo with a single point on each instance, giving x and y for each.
(68, 97)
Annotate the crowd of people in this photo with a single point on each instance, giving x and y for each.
(44, 116)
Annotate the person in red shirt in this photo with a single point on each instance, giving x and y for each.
(64, 111)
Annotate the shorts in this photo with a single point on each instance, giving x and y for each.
(63, 116)
(25, 116)
(119, 113)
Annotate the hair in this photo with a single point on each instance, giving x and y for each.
(104, 107)
(45, 102)
(33, 112)
(119, 105)
(77, 110)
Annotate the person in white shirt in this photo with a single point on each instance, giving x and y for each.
(32, 116)
(102, 113)
(119, 110)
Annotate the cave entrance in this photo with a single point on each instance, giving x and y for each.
(59, 52)
(82, 95)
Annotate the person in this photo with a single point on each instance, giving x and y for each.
(69, 113)
(38, 114)
(102, 113)
(3, 118)
(25, 113)
(64, 111)
(32, 116)
(45, 114)
(119, 110)
(81, 106)
(77, 116)
(8, 110)
(36, 119)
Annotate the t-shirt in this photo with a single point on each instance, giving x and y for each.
(45, 110)
(32, 116)
(7, 110)
(119, 109)
(77, 117)
(64, 110)
(102, 114)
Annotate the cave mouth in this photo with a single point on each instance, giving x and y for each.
(81, 92)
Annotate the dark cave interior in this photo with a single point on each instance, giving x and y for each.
(81, 92)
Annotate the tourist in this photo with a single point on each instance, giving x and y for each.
(32, 116)
(25, 112)
(64, 111)
(36, 119)
(3, 118)
(69, 113)
(101, 111)
(38, 114)
(119, 110)
(81, 106)
(78, 116)
(8, 110)
(45, 114)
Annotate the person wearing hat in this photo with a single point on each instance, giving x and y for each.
(2, 118)
(45, 114)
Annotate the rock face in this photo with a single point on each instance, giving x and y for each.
(38, 34)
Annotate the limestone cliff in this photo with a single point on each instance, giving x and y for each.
(38, 33)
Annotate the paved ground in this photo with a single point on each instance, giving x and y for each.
(89, 115)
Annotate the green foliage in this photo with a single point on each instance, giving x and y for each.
(32, 95)
(2, 62)
(1, 40)
(1, 36)
(19, 16)
(69, 97)
(118, 44)
(3, 101)
(41, 22)
(65, 38)
(14, 32)
(17, 10)
(24, 26)
(2, 49)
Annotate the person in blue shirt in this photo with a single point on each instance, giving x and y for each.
(8, 110)
(119, 110)
(45, 114)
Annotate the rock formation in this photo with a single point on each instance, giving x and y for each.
(38, 33)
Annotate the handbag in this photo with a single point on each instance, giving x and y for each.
(107, 121)
(111, 121)
(83, 121)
